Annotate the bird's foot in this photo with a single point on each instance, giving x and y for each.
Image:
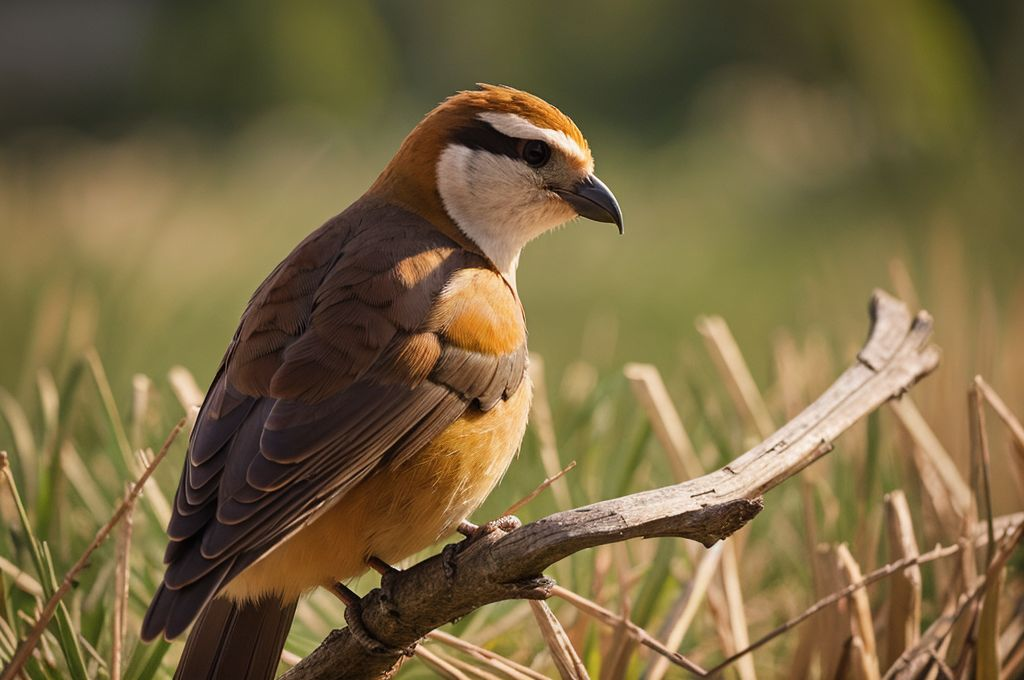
(380, 566)
(448, 555)
(532, 588)
(387, 573)
(473, 533)
(357, 628)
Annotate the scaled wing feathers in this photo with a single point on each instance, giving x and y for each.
(334, 371)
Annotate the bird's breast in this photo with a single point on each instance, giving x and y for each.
(400, 509)
(478, 311)
(447, 481)
(415, 500)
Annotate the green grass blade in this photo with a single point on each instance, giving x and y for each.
(66, 634)
(988, 664)
(657, 578)
(26, 525)
(25, 449)
(113, 418)
(146, 659)
(50, 473)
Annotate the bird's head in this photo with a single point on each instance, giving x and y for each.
(503, 167)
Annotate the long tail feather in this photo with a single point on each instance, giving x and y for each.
(236, 641)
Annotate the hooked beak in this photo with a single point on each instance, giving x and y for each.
(590, 198)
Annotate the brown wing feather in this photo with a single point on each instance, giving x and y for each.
(335, 369)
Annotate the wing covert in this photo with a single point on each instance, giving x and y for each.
(339, 365)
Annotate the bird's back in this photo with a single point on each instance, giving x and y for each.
(375, 389)
(373, 336)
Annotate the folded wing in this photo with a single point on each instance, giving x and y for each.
(337, 367)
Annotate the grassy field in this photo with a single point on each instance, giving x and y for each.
(123, 260)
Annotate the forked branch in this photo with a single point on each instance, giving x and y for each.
(501, 566)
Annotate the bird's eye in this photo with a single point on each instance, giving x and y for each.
(536, 153)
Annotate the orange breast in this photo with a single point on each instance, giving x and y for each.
(478, 311)
(407, 507)
(398, 511)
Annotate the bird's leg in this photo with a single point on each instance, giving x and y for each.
(354, 621)
(347, 596)
(380, 566)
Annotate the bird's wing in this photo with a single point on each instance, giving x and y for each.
(336, 368)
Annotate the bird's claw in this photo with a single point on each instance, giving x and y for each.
(473, 533)
(357, 628)
(448, 556)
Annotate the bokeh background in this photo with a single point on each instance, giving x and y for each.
(775, 162)
(158, 158)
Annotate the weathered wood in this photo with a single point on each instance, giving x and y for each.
(507, 565)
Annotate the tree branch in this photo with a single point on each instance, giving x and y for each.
(508, 565)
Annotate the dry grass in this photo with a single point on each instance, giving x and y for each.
(829, 582)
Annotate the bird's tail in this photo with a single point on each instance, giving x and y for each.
(242, 641)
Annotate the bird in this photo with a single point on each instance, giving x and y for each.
(376, 388)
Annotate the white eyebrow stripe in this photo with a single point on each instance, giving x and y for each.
(516, 126)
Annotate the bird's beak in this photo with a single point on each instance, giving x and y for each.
(590, 198)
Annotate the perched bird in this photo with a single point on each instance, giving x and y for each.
(376, 389)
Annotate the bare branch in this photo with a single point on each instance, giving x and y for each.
(499, 566)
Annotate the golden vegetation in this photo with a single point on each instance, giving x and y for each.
(838, 574)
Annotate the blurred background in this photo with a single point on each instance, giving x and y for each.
(774, 164)
(158, 158)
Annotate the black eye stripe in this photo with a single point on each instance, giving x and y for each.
(480, 135)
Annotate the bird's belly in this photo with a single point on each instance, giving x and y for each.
(398, 510)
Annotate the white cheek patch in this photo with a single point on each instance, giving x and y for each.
(512, 125)
(497, 201)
